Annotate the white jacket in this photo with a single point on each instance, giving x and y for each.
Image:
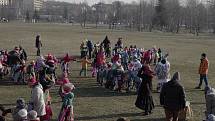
(38, 100)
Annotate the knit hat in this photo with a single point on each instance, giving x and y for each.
(32, 81)
(32, 115)
(211, 117)
(211, 91)
(23, 113)
(176, 76)
(20, 103)
(68, 87)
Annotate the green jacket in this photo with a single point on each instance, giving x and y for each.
(68, 99)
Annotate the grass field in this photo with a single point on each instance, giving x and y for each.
(94, 103)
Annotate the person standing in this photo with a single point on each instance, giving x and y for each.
(38, 44)
(90, 48)
(84, 66)
(144, 99)
(162, 71)
(172, 98)
(203, 71)
(37, 101)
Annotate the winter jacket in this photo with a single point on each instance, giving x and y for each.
(68, 99)
(172, 96)
(204, 65)
(210, 102)
(37, 99)
(162, 71)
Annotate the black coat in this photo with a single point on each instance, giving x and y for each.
(172, 96)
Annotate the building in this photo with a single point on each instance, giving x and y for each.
(38, 4)
(11, 9)
(33, 5)
(3, 2)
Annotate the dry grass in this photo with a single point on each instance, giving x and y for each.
(93, 103)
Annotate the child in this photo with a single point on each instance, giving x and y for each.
(84, 63)
(31, 71)
(66, 112)
(94, 70)
(18, 69)
(118, 73)
(32, 116)
(62, 82)
(49, 113)
(65, 63)
(18, 111)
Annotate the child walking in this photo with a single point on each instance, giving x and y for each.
(84, 64)
(66, 113)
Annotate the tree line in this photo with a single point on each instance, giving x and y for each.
(191, 16)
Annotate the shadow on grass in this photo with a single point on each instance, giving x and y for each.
(99, 92)
(7, 82)
(150, 119)
(86, 118)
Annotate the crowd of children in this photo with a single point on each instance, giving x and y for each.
(119, 69)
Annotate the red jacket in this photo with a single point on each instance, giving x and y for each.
(204, 65)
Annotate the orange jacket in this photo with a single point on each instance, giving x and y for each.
(204, 65)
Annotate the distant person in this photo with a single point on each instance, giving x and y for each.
(203, 71)
(90, 47)
(84, 65)
(106, 42)
(83, 49)
(119, 43)
(172, 98)
(162, 70)
(144, 99)
(38, 44)
(23, 54)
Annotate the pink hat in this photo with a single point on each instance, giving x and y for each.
(32, 81)
(68, 87)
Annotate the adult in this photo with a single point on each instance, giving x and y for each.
(90, 48)
(37, 101)
(119, 43)
(162, 71)
(144, 99)
(106, 42)
(172, 98)
(38, 44)
(203, 71)
(23, 54)
(210, 101)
